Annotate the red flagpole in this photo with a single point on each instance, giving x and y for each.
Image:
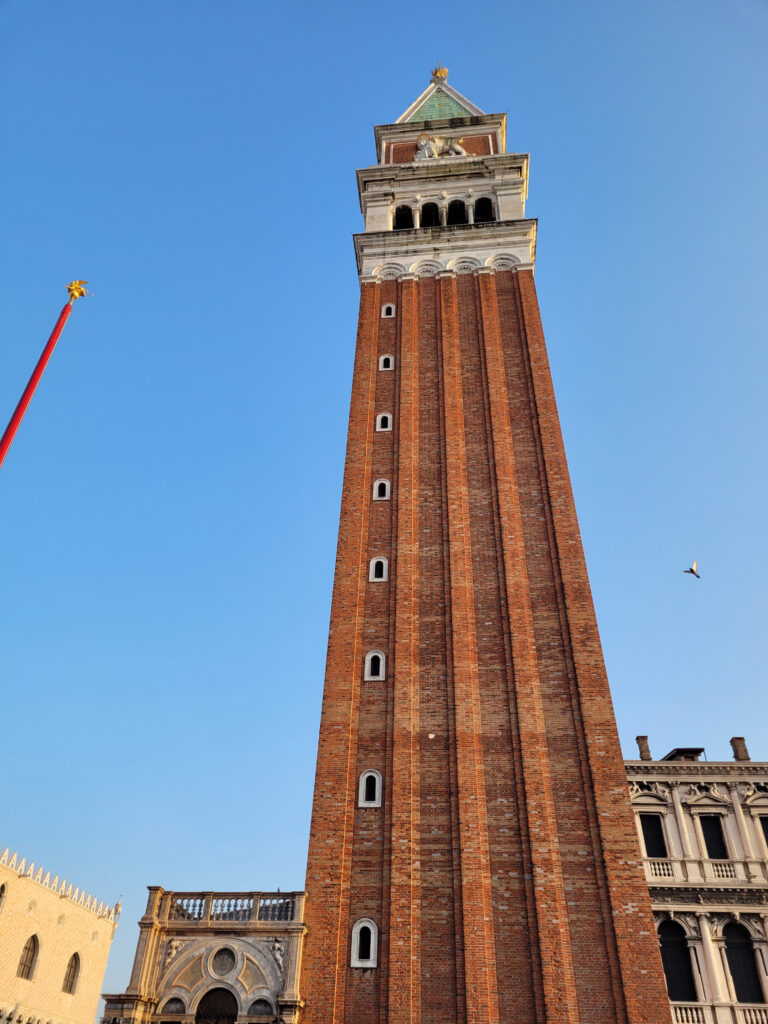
(76, 290)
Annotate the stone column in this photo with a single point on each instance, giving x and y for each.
(753, 869)
(417, 216)
(717, 992)
(470, 206)
(682, 825)
(761, 954)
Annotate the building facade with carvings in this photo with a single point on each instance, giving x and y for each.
(703, 828)
(214, 957)
(54, 943)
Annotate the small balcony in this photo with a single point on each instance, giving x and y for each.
(207, 909)
(665, 870)
(708, 1013)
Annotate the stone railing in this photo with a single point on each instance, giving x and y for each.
(701, 870)
(706, 1013)
(691, 1013)
(204, 908)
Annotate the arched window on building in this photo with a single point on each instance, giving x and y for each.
(403, 218)
(457, 212)
(384, 421)
(365, 942)
(2, 896)
(369, 790)
(386, 362)
(218, 1006)
(484, 210)
(260, 1008)
(381, 490)
(71, 974)
(28, 960)
(388, 310)
(741, 963)
(676, 960)
(430, 215)
(174, 1006)
(379, 569)
(375, 665)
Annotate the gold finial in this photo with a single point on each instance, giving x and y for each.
(77, 290)
(439, 74)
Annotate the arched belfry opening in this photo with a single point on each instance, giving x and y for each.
(217, 1007)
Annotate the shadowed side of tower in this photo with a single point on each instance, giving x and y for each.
(473, 856)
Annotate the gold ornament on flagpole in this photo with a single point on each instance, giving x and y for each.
(77, 290)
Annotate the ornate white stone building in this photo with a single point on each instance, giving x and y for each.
(703, 829)
(213, 958)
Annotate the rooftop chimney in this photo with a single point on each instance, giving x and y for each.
(642, 746)
(740, 752)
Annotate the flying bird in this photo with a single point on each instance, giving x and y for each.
(694, 570)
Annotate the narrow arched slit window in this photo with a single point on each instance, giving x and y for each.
(430, 215)
(740, 954)
(484, 210)
(388, 310)
(28, 960)
(381, 490)
(457, 212)
(386, 362)
(71, 974)
(375, 665)
(2, 896)
(369, 790)
(365, 942)
(384, 421)
(403, 218)
(379, 570)
(676, 961)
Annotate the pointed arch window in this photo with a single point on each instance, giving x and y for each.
(386, 362)
(365, 943)
(29, 956)
(379, 570)
(375, 665)
(740, 954)
(384, 421)
(369, 789)
(71, 974)
(676, 961)
(381, 490)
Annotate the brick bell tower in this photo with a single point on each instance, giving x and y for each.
(472, 856)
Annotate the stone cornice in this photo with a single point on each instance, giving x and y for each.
(500, 245)
(693, 770)
(709, 896)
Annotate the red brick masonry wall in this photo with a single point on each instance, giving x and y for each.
(502, 868)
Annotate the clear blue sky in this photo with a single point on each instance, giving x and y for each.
(169, 507)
